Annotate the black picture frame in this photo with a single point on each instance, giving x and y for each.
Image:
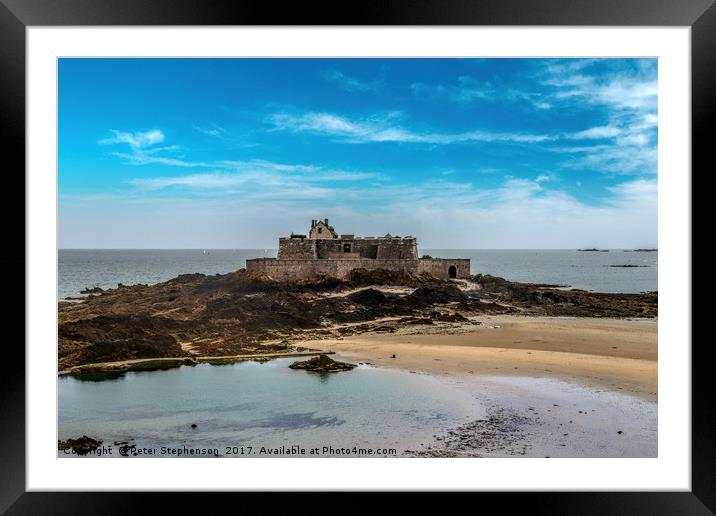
(17, 15)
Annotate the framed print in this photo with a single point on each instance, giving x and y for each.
(421, 249)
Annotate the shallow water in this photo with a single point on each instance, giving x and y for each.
(268, 405)
(83, 268)
(568, 419)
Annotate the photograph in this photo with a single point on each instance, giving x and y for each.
(367, 257)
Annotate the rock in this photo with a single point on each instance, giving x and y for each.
(94, 290)
(81, 446)
(322, 364)
(418, 320)
(449, 317)
(193, 425)
(364, 278)
(368, 297)
(433, 295)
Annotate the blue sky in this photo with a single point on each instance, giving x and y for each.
(462, 153)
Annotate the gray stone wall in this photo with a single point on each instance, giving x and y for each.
(293, 269)
(281, 269)
(366, 248)
(375, 248)
(398, 249)
(440, 267)
(296, 249)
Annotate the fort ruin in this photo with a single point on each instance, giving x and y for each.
(324, 252)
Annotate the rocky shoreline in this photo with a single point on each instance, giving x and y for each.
(197, 318)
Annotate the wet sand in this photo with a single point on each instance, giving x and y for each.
(616, 354)
(543, 417)
(552, 387)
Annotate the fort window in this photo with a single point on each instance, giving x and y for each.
(320, 230)
(452, 272)
(346, 248)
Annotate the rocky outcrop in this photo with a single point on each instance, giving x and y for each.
(365, 278)
(368, 297)
(322, 364)
(438, 294)
(81, 446)
(249, 313)
(94, 290)
(539, 300)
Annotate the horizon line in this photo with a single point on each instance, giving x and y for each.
(276, 248)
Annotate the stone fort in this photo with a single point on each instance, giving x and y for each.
(326, 253)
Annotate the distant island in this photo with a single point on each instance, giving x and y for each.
(594, 249)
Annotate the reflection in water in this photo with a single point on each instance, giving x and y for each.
(99, 376)
(294, 421)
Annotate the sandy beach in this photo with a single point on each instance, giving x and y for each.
(614, 354)
(552, 386)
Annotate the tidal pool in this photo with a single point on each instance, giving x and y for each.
(239, 409)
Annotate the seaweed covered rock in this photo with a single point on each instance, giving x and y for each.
(93, 290)
(368, 297)
(322, 364)
(437, 294)
(81, 446)
(449, 317)
(500, 286)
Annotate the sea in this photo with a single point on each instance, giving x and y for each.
(597, 271)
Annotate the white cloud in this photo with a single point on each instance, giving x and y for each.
(594, 133)
(255, 176)
(469, 89)
(636, 191)
(214, 130)
(615, 159)
(371, 130)
(136, 140)
(629, 99)
(621, 90)
(350, 83)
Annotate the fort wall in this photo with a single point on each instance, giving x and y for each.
(440, 267)
(375, 248)
(398, 249)
(296, 249)
(290, 269)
